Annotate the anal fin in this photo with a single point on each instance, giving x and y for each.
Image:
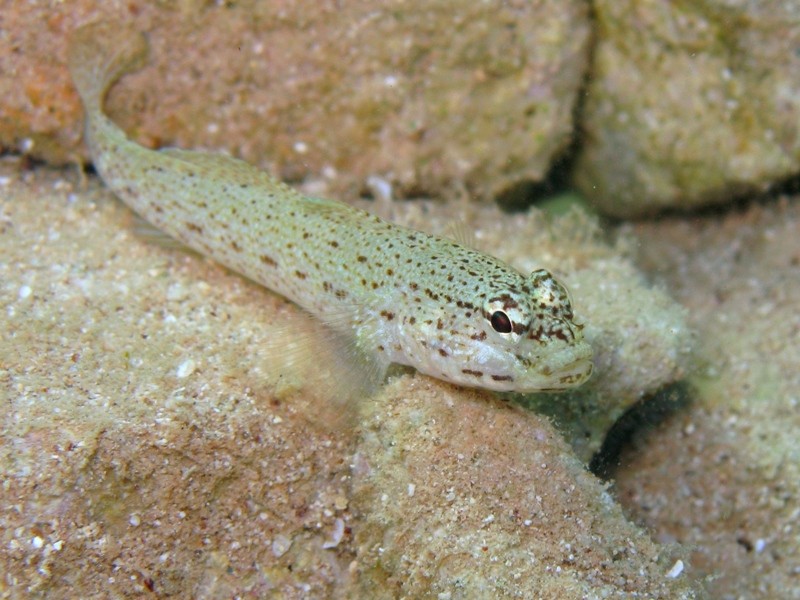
(153, 235)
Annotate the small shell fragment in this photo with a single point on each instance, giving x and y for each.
(185, 369)
(676, 569)
(336, 536)
(281, 545)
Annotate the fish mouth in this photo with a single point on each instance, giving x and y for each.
(573, 374)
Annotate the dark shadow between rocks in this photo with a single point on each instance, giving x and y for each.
(645, 415)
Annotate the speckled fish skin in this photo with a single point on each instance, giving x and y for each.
(401, 296)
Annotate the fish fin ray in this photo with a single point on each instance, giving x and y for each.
(458, 231)
(151, 234)
(322, 371)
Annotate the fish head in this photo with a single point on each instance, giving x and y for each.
(519, 335)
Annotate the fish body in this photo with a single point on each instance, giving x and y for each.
(399, 295)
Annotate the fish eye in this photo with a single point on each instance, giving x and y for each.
(500, 322)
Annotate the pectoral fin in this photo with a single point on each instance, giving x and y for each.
(321, 371)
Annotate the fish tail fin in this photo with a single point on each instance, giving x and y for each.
(100, 53)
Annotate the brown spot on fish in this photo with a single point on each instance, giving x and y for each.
(473, 373)
(268, 260)
(502, 378)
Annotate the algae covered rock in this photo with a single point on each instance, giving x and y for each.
(723, 476)
(461, 496)
(433, 96)
(690, 103)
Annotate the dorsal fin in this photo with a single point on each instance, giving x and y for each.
(458, 231)
(242, 173)
(234, 168)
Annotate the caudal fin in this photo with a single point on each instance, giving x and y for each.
(98, 54)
